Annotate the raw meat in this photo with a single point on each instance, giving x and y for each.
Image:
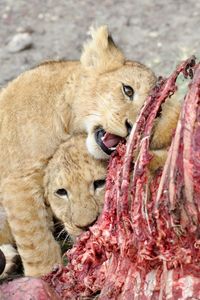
(27, 289)
(145, 244)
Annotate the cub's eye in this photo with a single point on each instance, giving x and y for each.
(128, 91)
(99, 183)
(61, 192)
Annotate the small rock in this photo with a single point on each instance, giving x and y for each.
(26, 29)
(153, 34)
(19, 42)
(195, 13)
(5, 16)
(54, 18)
(41, 16)
(156, 60)
(7, 8)
(159, 44)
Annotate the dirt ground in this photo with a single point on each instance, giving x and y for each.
(157, 33)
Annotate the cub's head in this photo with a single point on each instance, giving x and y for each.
(110, 94)
(75, 185)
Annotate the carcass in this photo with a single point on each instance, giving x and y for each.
(146, 243)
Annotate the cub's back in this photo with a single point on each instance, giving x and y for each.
(27, 109)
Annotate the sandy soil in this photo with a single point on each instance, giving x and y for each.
(158, 33)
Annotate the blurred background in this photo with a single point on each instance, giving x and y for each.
(157, 33)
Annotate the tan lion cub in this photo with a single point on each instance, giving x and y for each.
(100, 95)
(74, 187)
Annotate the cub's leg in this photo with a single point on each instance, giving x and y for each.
(28, 220)
(158, 160)
(12, 260)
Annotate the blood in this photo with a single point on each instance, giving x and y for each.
(146, 242)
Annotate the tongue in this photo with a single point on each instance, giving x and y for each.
(111, 140)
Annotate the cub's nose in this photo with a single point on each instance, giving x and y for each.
(128, 127)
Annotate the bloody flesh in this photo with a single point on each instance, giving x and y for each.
(27, 288)
(146, 243)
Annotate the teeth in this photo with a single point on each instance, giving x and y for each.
(112, 148)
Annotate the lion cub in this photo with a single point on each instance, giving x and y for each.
(74, 184)
(100, 95)
(74, 187)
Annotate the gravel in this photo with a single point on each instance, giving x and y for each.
(157, 33)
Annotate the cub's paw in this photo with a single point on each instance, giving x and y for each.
(9, 260)
(158, 160)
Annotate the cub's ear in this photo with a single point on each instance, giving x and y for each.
(100, 53)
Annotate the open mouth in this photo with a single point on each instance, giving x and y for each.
(107, 141)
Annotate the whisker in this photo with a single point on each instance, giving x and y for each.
(57, 224)
(59, 234)
(66, 238)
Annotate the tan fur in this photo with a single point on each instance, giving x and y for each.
(5, 231)
(38, 111)
(74, 170)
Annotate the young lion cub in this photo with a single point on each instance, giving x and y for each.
(100, 95)
(74, 185)
(74, 192)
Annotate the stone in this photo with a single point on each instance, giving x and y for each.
(20, 42)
